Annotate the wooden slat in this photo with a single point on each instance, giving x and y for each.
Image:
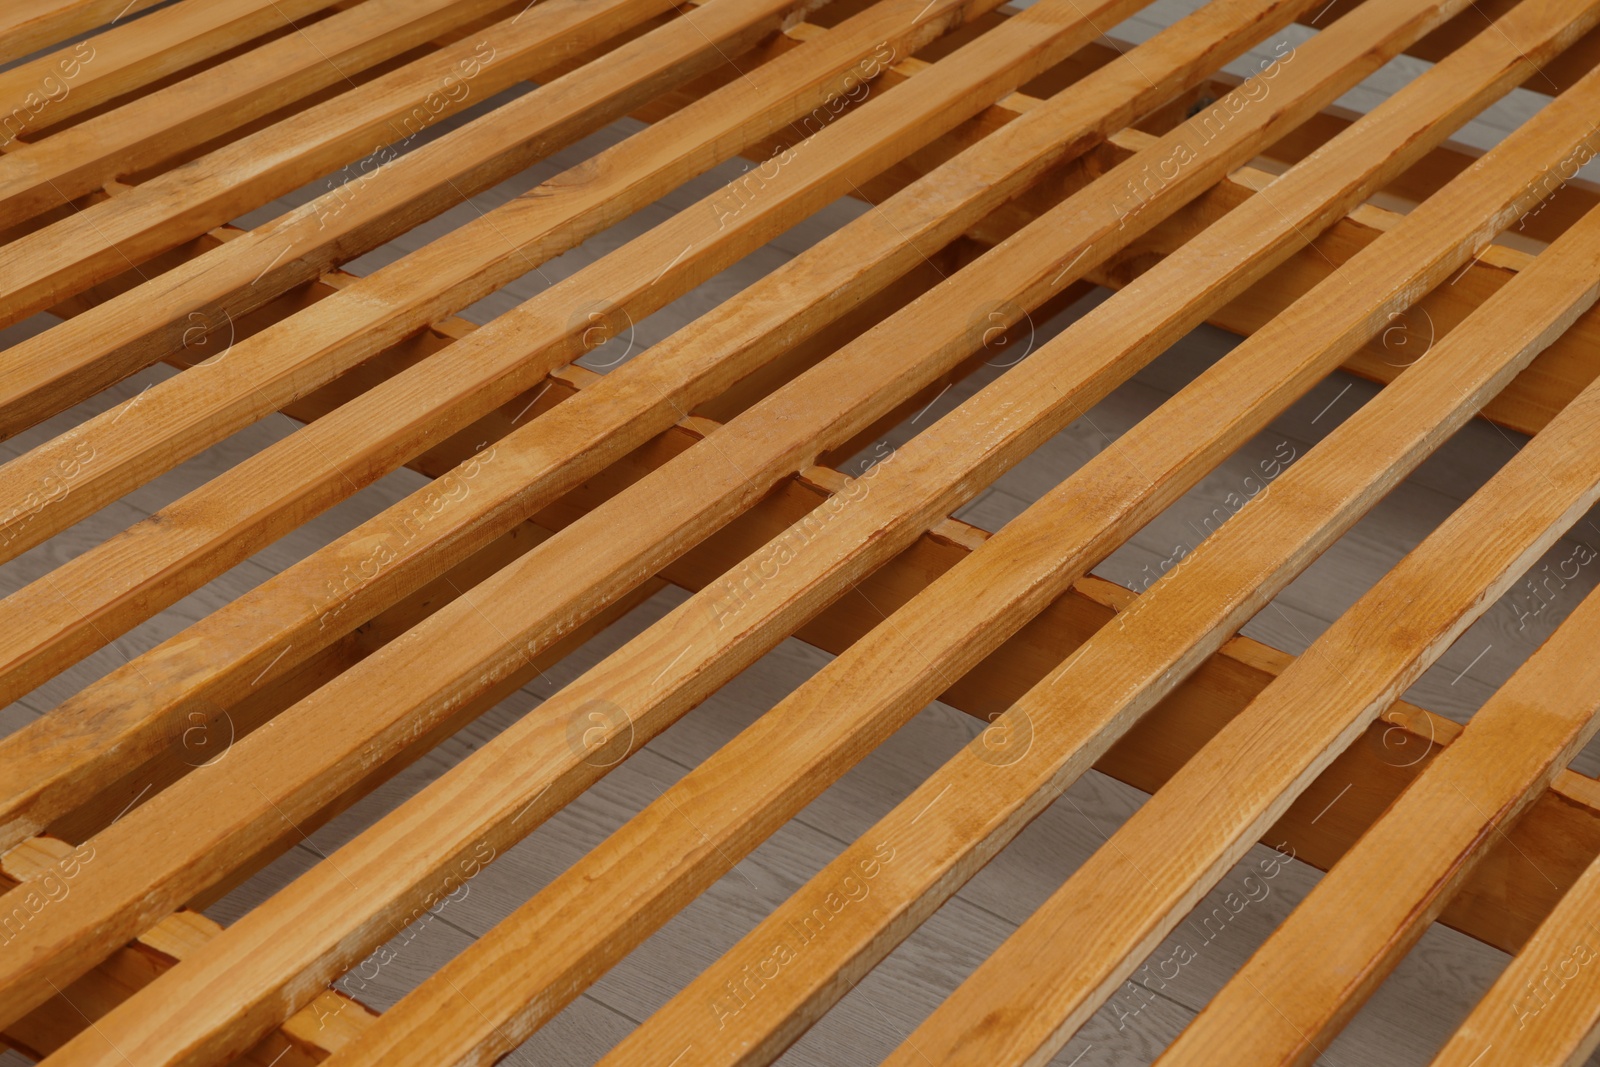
(48, 373)
(360, 423)
(140, 439)
(1560, 74)
(1538, 394)
(1546, 389)
(1545, 1007)
(1413, 186)
(495, 1003)
(907, 647)
(27, 28)
(122, 335)
(161, 124)
(55, 87)
(1300, 987)
(989, 66)
(1559, 374)
(107, 238)
(831, 287)
(330, 1022)
(71, 357)
(1501, 906)
(1324, 79)
(478, 373)
(1222, 687)
(1430, 174)
(1124, 901)
(1498, 907)
(561, 500)
(1527, 404)
(1121, 904)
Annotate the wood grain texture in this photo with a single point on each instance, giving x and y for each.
(1545, 1007)
(1322, 79)
(55, 87)
(47, 373)
(554, 667)
(992, 57)
(160, 125)
(107, 238)
(560, 449)
(1497, 905)
(1301, 986)
(264, 372)
(764, 1025)
(310, 1036)
(511, 488)
(370, 436)
(706, 813)
(32, 27)
(1242, 779)
(1526, 405)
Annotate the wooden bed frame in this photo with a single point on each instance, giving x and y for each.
(1028, 160)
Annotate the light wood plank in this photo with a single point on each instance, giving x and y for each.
(26, 28)
(1501, 907)
(105, 239)
(1558, 75)
(60, 85)
(206, 295)
(172, 421)
(1545, 1007)
(927, 967)
(989, 65)
(1558, 375)
(668, 827)
(1324, 71)
(1120, 904)
(1300, 987)
(912, 639)
(331, 1021)
(1347, 677)
(490, 368)
(161, 124)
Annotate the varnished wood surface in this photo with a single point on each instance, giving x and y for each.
(1406, 1021)
(1412, 1013)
